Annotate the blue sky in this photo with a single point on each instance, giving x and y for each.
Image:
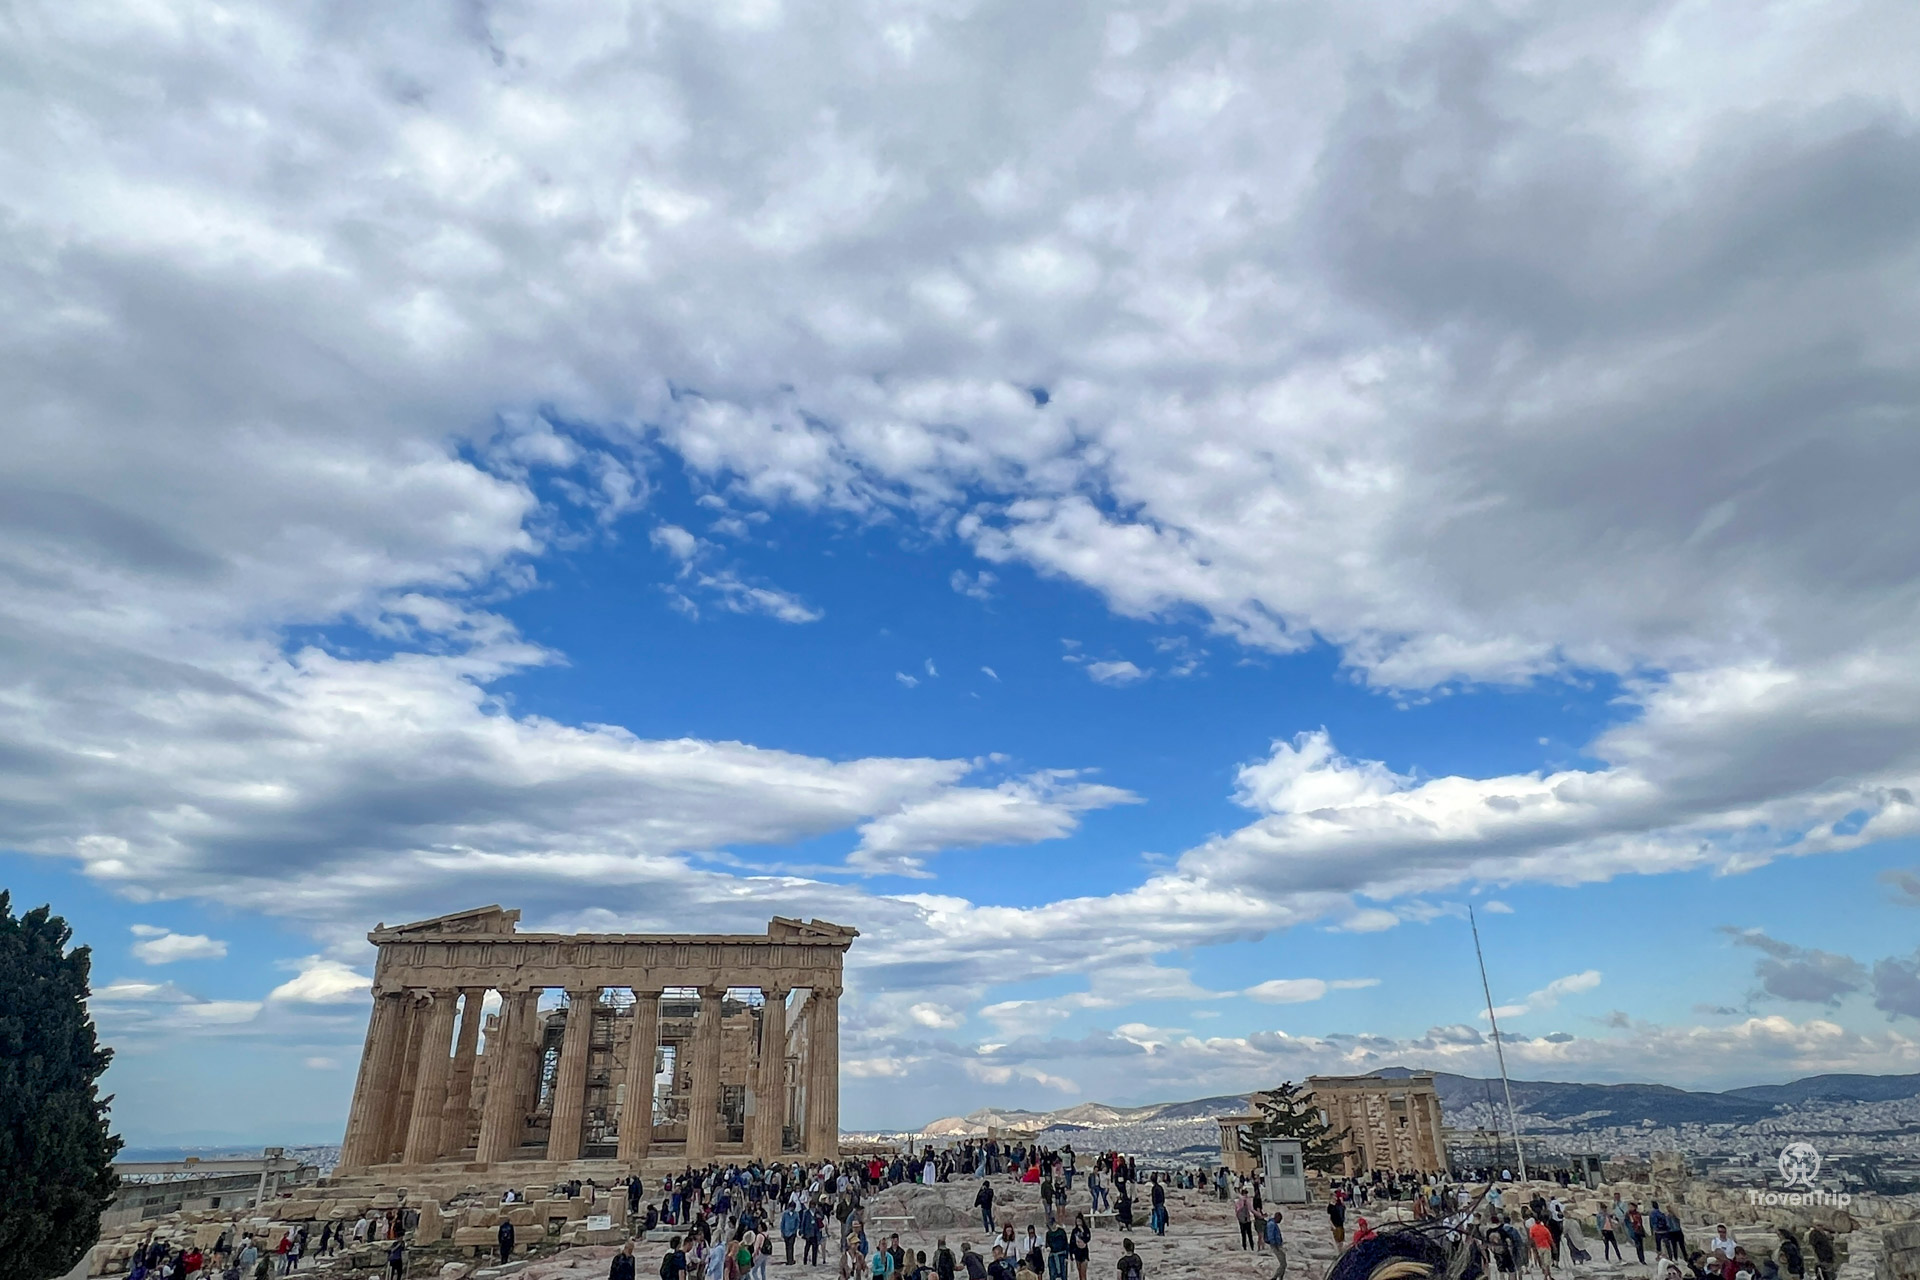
(1145, 512)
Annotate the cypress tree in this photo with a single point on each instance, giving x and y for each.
(56, 1152)
(1286, 1112)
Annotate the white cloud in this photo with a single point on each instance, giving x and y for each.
(1303, 990)
(937, 1016)
(1493, 906)
(1549, 996)
(1041, 806)
(676, 542)
(1116, 672)
(220, 1012)
(990, 674)
(1368, 920)
(931, 671)
(129, 1007)
(735, 595)
(126, 989)
(1287, 990)
(977, 586)
(1394, 399)
(905, 679)
(159, 946)
(323, 981)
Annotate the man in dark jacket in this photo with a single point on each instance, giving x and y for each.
(674, 1265)
(506, 1241)
(1824, 1259)
(984, 1202)
(1792, 1261)
(621, 1268)
(1056, 1252)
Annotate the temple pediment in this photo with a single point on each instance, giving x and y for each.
(784, 927)
(493, 919)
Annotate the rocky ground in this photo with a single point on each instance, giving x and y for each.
(1202, 1239)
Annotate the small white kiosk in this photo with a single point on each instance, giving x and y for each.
(1284, 1170)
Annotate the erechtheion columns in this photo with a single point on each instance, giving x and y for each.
(1392, 1124)
(674, 1047)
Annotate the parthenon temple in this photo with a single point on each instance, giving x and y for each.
(682, 1047)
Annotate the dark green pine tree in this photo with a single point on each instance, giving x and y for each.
(1287, 1112)
(56, 1154)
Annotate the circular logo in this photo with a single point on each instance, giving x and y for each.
(1799, 1164)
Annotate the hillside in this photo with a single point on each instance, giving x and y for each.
(1574, 1105)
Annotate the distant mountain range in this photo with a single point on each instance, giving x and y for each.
(1576, 1105)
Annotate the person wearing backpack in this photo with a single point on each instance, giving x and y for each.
(984, 1202)
(674, 1265)
(1792, 1261)
(1129, 1265)
(944, 1263)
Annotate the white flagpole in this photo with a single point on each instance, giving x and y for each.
(1513, 1119)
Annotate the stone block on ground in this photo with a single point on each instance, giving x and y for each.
(1900, 1259)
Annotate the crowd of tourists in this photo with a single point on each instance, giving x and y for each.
(238, 1256)
(734, 1222)
(1508, 1236)
(737, 1221)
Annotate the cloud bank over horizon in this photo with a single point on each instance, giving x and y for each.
(1484, 348)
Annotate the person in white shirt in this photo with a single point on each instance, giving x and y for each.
(1722, 1242)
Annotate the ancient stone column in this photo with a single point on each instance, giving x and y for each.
(430, 1081)
(770, 1082)
(530, 1057)
(636, 1113)
(823, 1073)
(703, 1100)
(396, 1140)
(454, 1116)
(500, 1113)
(570, 1081)
(372, 1107)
